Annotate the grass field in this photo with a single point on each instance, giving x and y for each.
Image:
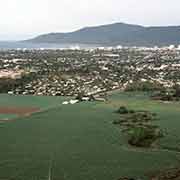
(79, 142)
(12, 107)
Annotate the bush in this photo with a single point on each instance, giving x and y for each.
(132, 111)
(143, 136)
(137, 126)
(117, 121)
(172, 94)
(122, 110)
(143, 86)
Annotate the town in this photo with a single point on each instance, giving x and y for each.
(70, 72)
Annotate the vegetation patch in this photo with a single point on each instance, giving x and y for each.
(138, 127)
(168, 94)
(171, 174)
(124, 110)
(126, 178)
(143, 86)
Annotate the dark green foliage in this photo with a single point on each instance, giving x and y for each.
(143, 136)
(177, 90)
(169, 94)
(138, 128)
(131, 111)
(126, 178)
(143, 86)
(122, 110)
(8, 84)
(80, 96)
(167, 174)
(117, 121)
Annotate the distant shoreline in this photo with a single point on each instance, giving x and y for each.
(8, 45)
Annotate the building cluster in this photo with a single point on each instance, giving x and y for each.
(91, 71)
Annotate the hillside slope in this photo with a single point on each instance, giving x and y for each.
(114, 34)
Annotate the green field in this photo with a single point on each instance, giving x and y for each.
(43, 103)
(79, 142)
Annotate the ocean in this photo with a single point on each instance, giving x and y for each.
(27, 45)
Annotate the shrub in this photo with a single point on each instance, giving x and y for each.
(122, 110)
(143, 86)
(137, 126)
(132, 111)
(143, 136)
(117, 121)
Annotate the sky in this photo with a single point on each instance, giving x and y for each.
(23, 19)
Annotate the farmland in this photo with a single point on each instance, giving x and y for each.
(17, 106)
(80, 142)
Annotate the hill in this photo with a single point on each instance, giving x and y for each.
(115, 34)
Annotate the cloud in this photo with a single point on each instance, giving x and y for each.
(41, 16)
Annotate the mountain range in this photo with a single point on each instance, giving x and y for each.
(115, 34)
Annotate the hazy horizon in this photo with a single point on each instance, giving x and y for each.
(26, 19)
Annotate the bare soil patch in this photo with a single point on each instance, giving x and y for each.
(20, 111)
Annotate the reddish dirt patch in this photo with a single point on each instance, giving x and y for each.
(18, 110)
